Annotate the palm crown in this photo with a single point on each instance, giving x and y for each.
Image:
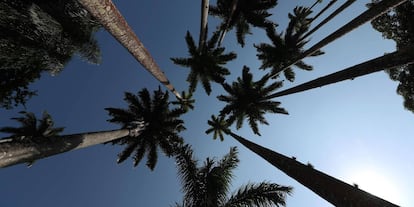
(247, 13)
(206, 64)
(249, 99)
(287, 47)
(162, 126)
(209, 184)
(30, 129)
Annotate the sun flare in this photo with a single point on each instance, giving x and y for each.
(377, 183)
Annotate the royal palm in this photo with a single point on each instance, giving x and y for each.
(209, 185)
(286, 47)
(241, 14)
(248, 99)
(161, 130)
(206, 64)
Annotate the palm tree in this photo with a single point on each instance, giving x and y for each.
(209, 184)
(248, 99)
(330, 17)
(186, 103)
(161, 131)
(110, 17)
(367, 16)
(31, 141)
(335, 191)
(242, 14)
(283, 49)
(206, 64)
(390, 61)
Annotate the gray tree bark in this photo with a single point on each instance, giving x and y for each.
(113, 21)
(16, 150)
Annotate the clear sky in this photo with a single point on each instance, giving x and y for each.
(357, 130)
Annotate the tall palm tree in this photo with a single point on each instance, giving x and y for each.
(32, 141)
(335, 191)
(209, 184)
(285, 48)
(242, 14)
(113, 21)
(161, 131)
(330, 17)
(392, 61)
(248, 99)
(206, 64)
(369, 15)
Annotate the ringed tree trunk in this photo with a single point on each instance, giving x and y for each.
(226, 27)
(13, 151)
(329, 18)
(203, 25)
(369, 15)
(388, 61)
(333, 190)
(113, 21)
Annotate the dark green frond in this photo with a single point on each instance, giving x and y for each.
(262, 194)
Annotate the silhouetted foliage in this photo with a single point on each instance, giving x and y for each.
(209, 184)
(249, 99)
(287, 47)
(398, 25)
(37, 36)
(162, 126)
(247, 13)
(206, 64)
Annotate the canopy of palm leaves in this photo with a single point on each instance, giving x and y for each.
(249, 99)
(247, 13)
(209, 184)
(398, 25)
(41, 36)
(31, 128)
(286, 47)
(162, 126)
(207, 64)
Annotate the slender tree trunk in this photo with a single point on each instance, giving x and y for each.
(329, 18)
(13, 151)
(226, 27)
(389, 61)
(335, 191)
(203, 25)
(332, 2)
(367, 16)
(113, 21)
(314, 4)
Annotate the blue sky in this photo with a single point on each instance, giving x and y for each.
(357, 130)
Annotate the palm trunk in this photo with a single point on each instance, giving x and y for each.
(329, 18)
(224, 30)
(314, 4)
(389, 61)
(369, 15)
(331, 3)
(13, 151)
(203, 25)
(113, 21)
(335, 191)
